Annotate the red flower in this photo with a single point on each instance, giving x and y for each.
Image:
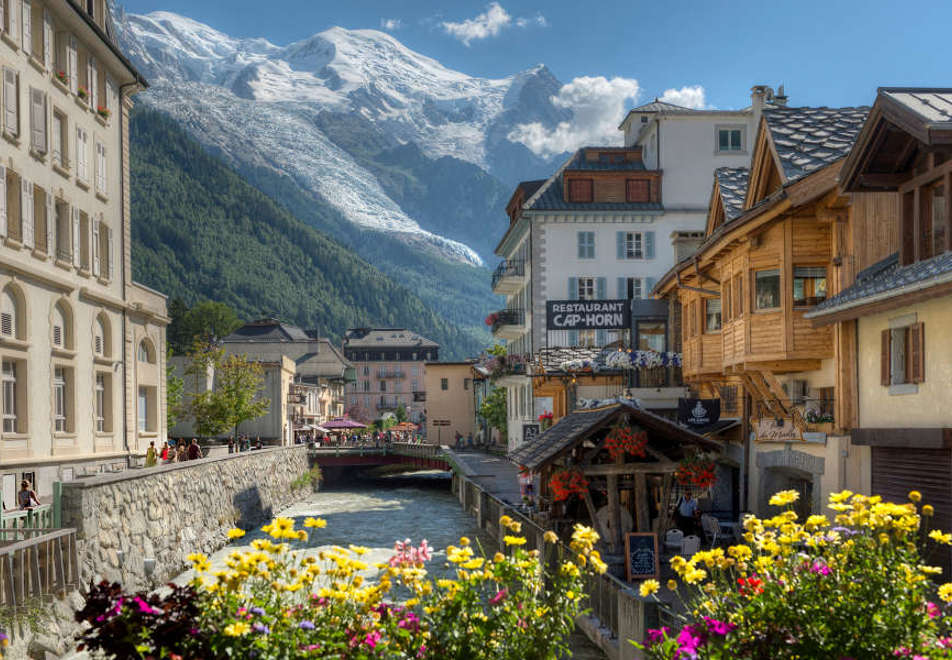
(750, 586)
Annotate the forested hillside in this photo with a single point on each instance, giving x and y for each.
(200, 231)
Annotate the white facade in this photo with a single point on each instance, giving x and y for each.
(82, 346)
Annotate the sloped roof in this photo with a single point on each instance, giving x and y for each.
(385, 338)
(267, 330)
(932, 106)
(578, 425)
(887, 277)
(732, 182)
(661, 106)
(551, 198)
(809, 139)
(529, 188)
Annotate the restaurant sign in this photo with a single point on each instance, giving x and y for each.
(768, 430)
(699, 412)
(587, 314)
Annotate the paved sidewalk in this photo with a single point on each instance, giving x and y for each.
(496, 475)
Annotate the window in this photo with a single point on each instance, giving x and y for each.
(82, 154)
(101, 168)
(366, 371)
(64, 246)
(100, 402)
(11, 102)
(586, 288)
(902, 357)
(59, 400)
(26, 26)
(580, 190)
(38, 138)
(638, 190)
(383, 386)
(586, 245)
(8, 315)
(767, 289)
(738, 294)
(146, 353)
(143, 409)
(651, 335)
(712, 314)
(730, 139)
(8, 380)
(728, 398)
(809, 286)
(444, 384)
(466, 383)
(633, 245)
(101, 342)
(366, 386)
(932, 222)
(633, 288)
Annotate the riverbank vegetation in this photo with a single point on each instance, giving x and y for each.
(862, 585)
(277, 601)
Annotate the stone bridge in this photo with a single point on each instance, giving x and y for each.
(430, 457)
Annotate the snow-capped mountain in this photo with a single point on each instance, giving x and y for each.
(335, 113)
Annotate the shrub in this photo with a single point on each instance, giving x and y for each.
(854, 587)
(312, 478)
(276, 601)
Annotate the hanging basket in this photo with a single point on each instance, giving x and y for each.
(622, 440)
(696, 472)
(567, 482)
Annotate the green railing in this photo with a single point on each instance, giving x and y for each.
(40, 517)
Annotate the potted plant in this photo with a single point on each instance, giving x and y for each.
(62, 77)
(103, 112)
(567, 482)
(622, 440)
(696, 471)
(545, 419)
(82, 93)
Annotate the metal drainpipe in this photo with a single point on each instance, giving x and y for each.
(122, 241)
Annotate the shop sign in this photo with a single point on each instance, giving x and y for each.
(587, 314)
(699, 412)
(768, 430)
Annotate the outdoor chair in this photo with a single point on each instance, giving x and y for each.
(711, 527)
(690, 546)
(672, 540)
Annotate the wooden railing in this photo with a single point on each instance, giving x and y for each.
(36, 565)
(40, 517)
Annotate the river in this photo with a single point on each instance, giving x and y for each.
(376, 512)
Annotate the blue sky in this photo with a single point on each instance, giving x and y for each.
(825, 52)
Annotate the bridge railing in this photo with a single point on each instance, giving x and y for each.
(36, 564)
(21, 519)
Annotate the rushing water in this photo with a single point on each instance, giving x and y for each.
(376, 512)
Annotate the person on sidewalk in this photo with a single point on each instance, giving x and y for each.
(150, 455)
(27, 498)
(194, 451)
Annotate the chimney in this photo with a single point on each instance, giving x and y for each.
(759, 96)
(780, 98)
(686, 243)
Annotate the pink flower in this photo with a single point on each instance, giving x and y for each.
(932, 610)
(143, 606)
(719, 627)
(819, 568)
(689, 640)
(656, 636)
(499, 597)
(372, 638)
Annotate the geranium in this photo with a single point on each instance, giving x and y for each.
(696, 471)
(103, 111)
(82, 92)
(62, 77)
(858, 588)
(622, 440)
(567, 482)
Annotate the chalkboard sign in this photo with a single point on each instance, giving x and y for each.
(641, 549)
(530, 432)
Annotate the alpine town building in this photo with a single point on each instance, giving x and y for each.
(591, 241)
(82, 346)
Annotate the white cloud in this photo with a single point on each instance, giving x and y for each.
(598, 106)
(488, 24)
(391, 23)
(689, 96)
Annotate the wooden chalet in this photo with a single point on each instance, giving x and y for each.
(775, 243)
(625, 493)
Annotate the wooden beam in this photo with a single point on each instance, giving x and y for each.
(785, 366)
(641, 503)
(776, 389)
(884, 181)
(614, 511)
(603, 469)
(587, 497)
(704, 276)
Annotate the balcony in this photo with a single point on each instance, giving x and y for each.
(391, 373)
(509, 276)
(419, 397)
(388, 404)
(508, 323)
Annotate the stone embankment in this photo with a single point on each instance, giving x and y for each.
(137, 527)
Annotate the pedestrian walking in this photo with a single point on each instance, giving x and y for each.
(194, 451)
(150, 455)
(27, 498)
(231, 445)
(180, 454)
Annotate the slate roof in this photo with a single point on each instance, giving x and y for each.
(552, 198)
(933, 106)
(385, 338)
(809, 139)
(887, 276)
(267, 330)
(578, 425)
(732, 182)
(529, 188)
(661, 106)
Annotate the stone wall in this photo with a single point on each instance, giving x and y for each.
(167, 512)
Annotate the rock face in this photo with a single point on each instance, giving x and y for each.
(167, 512)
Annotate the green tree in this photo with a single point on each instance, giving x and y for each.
(233, 399)
(175, 392)
(493, 409)
(210, 320)
(401, 413)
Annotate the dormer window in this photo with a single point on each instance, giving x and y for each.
(581, 190)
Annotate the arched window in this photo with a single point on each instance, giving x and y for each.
(9, 314)
(101, 337)
(146, 352)
(60, 326)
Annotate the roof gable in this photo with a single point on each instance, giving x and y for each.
(727, 197)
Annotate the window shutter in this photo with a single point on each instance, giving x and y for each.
(47, 39)
(26, 12)
(622, 288)
(885, 359)
(14, 20)
(50, 222)
(573, 295)
(37, 121)
(649, 286)
(649, 244)
(75, 237)
(26, 212)
(72, 64)
(10, 101)
(112, 253)
(601, 288)
(2, 16)
(917, 352)
(96, 269)
(93, 79)
(620, 244)
(3, 199)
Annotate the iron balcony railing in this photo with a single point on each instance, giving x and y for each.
(508, 317)
(509, 268)
(391, 373)
(388, 404)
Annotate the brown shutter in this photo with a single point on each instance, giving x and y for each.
(884, 358)
(639, 190)
(917, 352)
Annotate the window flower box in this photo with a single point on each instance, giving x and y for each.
(82, 93)
(103, 112)
(62, 77)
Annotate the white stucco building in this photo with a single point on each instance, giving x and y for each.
(82, 346)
